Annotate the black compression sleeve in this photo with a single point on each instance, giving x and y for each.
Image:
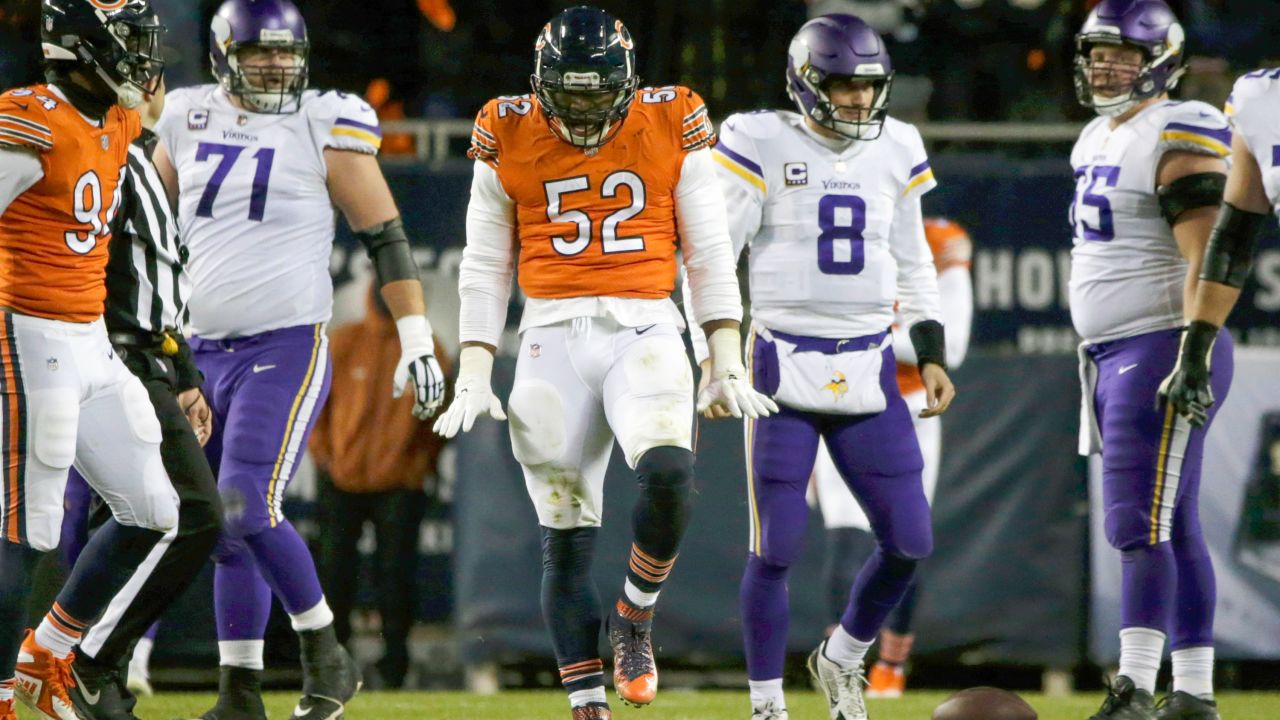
(1190, 192)
(388, 247)
(929, 339)
(1229, 255)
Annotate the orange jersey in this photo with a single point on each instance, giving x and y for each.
(951, 248)
(54, 236)
(595, 223)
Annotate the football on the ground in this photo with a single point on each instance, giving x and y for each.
(984, 703)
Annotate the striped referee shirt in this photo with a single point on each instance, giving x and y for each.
(147, 288)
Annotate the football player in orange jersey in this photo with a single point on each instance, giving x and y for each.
(848, 529)
(592, 184)
(64, 394)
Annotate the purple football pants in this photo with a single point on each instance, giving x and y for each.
(1151, 460)
(266, 391)
(878, 456)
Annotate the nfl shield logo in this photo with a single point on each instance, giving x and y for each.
(52, 364)
(106, 143)
(197, 119)
(242, 120)
(535, 350)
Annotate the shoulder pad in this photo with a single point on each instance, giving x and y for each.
(1195, 127)
(347, 121)
(24, 119)
(496, 114)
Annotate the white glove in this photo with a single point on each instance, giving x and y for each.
(473, 395)
(729, 387)
(418, 363)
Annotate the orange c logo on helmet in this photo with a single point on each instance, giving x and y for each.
(624, 37)
(108, 4)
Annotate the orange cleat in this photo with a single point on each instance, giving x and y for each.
(42, 681)
(7, 712)
(886, 681)
(635, 675)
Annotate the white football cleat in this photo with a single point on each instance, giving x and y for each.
(842, 686)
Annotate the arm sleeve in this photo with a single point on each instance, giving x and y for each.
(488, 260)
(917, 275)
(955, 287)
(20, 168)
(1198, 128)
(705, 243)
(742, 185)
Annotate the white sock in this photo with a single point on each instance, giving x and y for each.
(586, 697)
(844, 649)
(140, 663)
(1140, 652)
(1193, 671)
(762, 691)
(6, 690)
(241, 653)
(313, 619)
(54, 639)
(638, 597)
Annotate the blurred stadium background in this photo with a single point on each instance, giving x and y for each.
(1022, 591)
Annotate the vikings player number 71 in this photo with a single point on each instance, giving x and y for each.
(230, 153)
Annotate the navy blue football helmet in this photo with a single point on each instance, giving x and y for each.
(584, 75)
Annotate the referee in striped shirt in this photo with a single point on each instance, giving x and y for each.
(146, 296)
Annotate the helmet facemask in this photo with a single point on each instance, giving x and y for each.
(123, 58)
(856, 122)
(584, 111)
(268, 77)
(1125, 84)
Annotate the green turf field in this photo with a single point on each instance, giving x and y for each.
(671, 705)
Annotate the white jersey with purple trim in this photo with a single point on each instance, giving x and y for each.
(1127, 273)
(1253, 108)
(834, 227)
(254, 205)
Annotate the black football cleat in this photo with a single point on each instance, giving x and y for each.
(635, 674)
(1126, 702)
(1179, 705)
(239, 695)
(330, 677)
(99, 692)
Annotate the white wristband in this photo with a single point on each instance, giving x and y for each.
(415, 333)
(475, 365)
(726, 350)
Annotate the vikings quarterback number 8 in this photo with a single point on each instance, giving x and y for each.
(841, 217)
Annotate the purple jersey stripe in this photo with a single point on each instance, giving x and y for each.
(1222, 135)
(741, 160)
(362, 126)
(1275, 156)
(919, 169)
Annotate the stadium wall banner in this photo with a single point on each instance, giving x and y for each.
(1240, 514)
(1005, 585)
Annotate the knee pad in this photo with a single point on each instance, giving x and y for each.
(244, 508)
(55, 416)
(666, 468)
(1128, 528)
(568, 550)
(536, 421)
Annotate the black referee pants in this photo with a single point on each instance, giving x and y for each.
(176, 560)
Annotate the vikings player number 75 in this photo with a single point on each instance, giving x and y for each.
(230, 153)
(1087, 180)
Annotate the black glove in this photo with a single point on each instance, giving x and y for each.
(1187, 388)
